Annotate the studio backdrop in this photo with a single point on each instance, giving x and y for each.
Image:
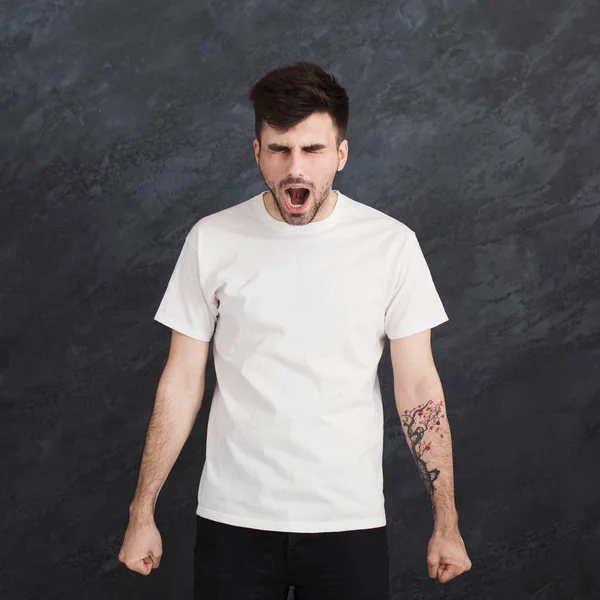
(475, 123)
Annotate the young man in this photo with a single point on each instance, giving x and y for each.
(300, 285)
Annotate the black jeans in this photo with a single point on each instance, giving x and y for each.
(239, 563)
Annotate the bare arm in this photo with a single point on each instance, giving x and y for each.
(178, 401)
(422, 410)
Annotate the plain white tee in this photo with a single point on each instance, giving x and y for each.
(299, 316)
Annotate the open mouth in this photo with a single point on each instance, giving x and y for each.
(296, 197)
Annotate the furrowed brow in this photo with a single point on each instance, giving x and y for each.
(311, 147)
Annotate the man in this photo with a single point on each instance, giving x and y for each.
(300, 289)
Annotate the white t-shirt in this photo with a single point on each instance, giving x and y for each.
(299, 316)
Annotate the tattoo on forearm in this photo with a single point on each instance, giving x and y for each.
(424, 419)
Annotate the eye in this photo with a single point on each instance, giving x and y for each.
(286, 151)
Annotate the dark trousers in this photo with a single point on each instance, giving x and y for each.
(239, 563)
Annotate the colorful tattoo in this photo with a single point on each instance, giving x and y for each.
(422, 419)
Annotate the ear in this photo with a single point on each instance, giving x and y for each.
(343, 154)
(256, 146)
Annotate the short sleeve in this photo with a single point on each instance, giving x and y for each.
(184, 306)
(415, 304)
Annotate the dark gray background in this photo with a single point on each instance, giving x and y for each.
(475, 123)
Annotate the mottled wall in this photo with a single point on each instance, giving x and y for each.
(475, 123)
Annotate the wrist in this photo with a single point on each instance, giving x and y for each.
(141, 511)
(446, 522)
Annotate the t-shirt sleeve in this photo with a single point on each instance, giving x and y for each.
(184, 306)
(415, 304)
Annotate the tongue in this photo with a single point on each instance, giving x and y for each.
(297, 195)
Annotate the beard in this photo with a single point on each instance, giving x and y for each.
(315, 204)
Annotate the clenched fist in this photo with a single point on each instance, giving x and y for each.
(142, 546)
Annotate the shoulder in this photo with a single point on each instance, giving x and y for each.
(215, 224)
(385, 223)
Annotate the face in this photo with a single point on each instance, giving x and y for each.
(305, 155)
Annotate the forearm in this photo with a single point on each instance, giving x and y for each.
(176, 407)
(425, 424)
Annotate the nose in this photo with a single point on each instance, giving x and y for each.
(296, 171)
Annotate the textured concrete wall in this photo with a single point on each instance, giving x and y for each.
(475, 123)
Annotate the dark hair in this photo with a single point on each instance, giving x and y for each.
(288, 95)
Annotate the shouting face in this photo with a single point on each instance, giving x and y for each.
(299, 167)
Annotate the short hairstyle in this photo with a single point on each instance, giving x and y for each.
(287, 95)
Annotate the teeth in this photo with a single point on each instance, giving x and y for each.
(289, 198)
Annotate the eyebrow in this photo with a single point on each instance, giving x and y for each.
(310, 147)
